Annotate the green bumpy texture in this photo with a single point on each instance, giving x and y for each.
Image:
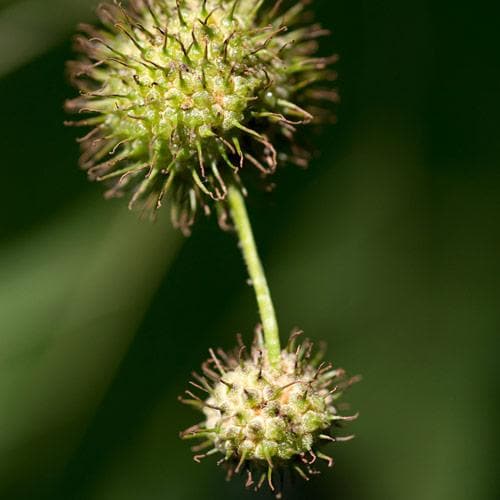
(265, 419)
(183, 94)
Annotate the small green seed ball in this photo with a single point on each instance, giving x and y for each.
(182, 95)
(260, 417)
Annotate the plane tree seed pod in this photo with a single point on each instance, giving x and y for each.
(263, 419)
(181, 95)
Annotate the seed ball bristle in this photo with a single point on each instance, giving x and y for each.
(182, 94)
(265, 420)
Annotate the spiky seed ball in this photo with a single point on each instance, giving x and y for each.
(183, 93)
(264, 420)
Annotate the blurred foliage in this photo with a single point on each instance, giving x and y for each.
(387, 247)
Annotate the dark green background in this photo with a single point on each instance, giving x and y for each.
(387, 247)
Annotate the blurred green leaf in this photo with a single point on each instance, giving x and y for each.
(28, 28)
(71, 297)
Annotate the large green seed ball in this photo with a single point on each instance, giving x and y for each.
(262, 418)
(184, 93)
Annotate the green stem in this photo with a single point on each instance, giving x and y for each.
(255, 270)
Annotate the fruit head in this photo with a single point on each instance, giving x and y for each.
(265, 420)
(183, 94)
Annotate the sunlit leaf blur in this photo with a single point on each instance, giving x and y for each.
(387, 247)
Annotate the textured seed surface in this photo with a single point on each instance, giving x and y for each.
(263, 419)
(184, 94)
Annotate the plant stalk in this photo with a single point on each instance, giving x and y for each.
(241, 221)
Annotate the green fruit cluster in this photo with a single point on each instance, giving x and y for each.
(263, 418)
(183, 94)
